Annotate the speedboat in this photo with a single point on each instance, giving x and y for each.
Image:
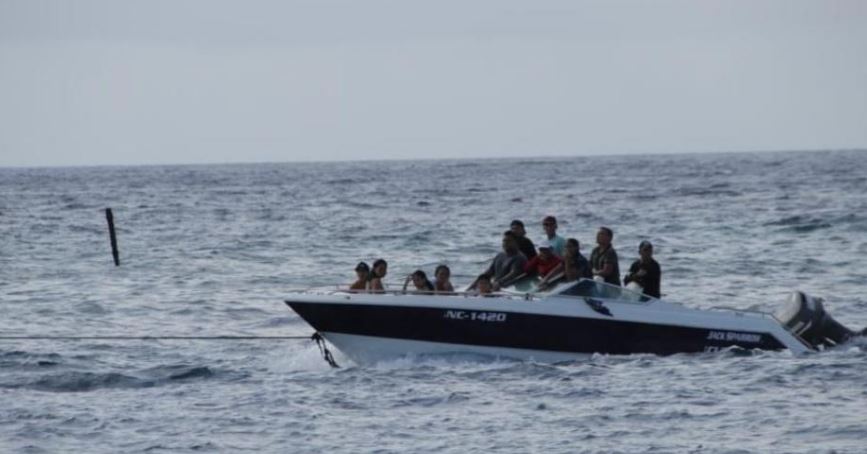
(568, 322)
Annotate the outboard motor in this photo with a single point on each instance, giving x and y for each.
(805, 317)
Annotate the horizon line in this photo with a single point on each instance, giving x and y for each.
(427, 159)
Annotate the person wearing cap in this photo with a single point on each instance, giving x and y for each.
(524, 244)
(362, 271)
(549, 224)
(544, 263)
(645, 271)
(603, 259)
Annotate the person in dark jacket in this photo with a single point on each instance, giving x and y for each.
(645, 271)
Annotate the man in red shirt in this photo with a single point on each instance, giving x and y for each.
(543, 263)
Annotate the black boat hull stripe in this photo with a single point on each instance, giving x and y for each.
(521, 330)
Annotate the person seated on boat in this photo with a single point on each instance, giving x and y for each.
(603, 259)
(442, 283)
(543, 264)
(574, 266)
(524, 244)
(549, 224)
(420, 281)
(645, 271)
(380, 268)
(483, 284)
(360, 284)
(507, 266)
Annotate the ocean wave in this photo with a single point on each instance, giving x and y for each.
(18, 359)
(73, 381)
(706, 191)
(799, 224)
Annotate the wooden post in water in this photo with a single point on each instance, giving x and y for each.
(110, 218)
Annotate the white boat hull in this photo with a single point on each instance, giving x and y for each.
(372, 349)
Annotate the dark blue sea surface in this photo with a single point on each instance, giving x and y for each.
(212, 249)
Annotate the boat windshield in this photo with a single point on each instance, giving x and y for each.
(595, 289)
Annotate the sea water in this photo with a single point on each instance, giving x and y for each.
(210, 250)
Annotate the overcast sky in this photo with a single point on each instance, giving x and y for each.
(184, 81)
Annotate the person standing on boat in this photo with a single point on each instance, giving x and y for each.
(363, 273)
(380, 268)
(507, 266)
(549, 224)
(645, 271)
(603, 259)
(442, 284)
(524, 244)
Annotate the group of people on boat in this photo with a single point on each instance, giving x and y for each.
(369, 279)
(554, 260)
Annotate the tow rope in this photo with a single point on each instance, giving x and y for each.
(323, 348)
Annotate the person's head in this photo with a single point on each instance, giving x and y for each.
(545, 250)
(604, 236)
(484, 284)
(645, 250)
(380, 267)
(510, 242)
(362, 270)
(572, 246)
(419, 280)
(550, 226)
(442, 273)
(517, 227)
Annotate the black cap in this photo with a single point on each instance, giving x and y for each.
(362, 266)
(644, 244)
(517, 222)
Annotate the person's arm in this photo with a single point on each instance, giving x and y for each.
(607, 270)
(554, 272)
(629, 276)
(376, 285)
(553, 278)
(406, 282)
(551, 271)
(607, 265)
(517, 272)
(509, 279)
(554, 275)
(490, 270)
